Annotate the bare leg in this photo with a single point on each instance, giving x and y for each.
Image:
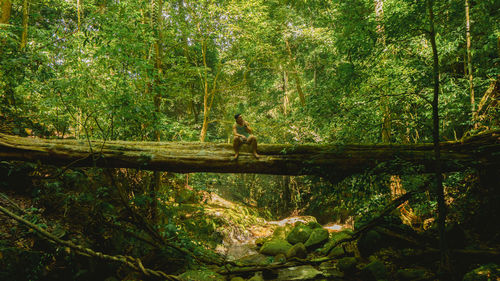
(253, 143)
(236, 146)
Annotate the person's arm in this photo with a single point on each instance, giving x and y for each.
(247, 127)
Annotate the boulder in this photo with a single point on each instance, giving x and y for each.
(280, 258)
(257, 277)
(275, 247)
(313, 225)
(299, 234)
(260, 241)
(347, 264)
(336, 252)
(334, 238)
(375, 270)
(298, 250)
(279, 232)
(318, 237)
(237, 279)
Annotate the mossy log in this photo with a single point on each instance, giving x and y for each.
(333, 160)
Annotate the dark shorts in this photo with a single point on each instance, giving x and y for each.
(244, 141)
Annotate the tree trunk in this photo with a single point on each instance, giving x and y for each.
(437, 149)
(5, 9)
(296, 77)
(78, 13)
(469, 63)
(334, 161)
(285, 92)
(24, 35)
(156, 14)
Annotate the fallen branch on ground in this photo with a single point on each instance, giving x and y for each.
(131, 262)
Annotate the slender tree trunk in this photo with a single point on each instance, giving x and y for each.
(208, 95)
(156, 15)
(78, 11)
(285, 92)
(296, 77)
(469, 63)
(437, 152)
(5, 9)
(24, 35)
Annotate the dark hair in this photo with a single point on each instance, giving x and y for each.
(236, 116)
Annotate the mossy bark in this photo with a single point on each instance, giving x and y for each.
(334, 161)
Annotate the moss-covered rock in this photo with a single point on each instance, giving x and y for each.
(486, 272)
(298, 250)
(257, 277)
(334, 238)
(347, 264)
(318, 237)
(299, 234)
(374, 271)
(336, 252)
(275, 247)
(260, 241)
(313, 225)
(237, 279)
(280, 233)
(280, 258)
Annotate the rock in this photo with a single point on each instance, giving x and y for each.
(260, 241)
(235, 252)
(298, 250)
(313, 225)
(369, 243)
(274, 247)
(318, 237)
(347, 264)
(280, 258)
(330, 271)
(237, 279)
(257, 277)
(299, 234)
(374, 271)
(336, 252)
(411, 274)
(486, 272)
(279, 233)
(257, 259)
(334, 238)
(304, 272)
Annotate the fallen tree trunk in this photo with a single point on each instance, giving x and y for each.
(334, 161)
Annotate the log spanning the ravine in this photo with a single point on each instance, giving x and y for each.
(334, 161)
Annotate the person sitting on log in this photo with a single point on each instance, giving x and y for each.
(243, 135)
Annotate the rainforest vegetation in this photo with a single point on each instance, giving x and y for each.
(377, 123)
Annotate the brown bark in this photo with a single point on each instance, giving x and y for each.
(5, 9)
(296, 77)
(445, 262)
(334, 161)
(469, 61)
(24, 35)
